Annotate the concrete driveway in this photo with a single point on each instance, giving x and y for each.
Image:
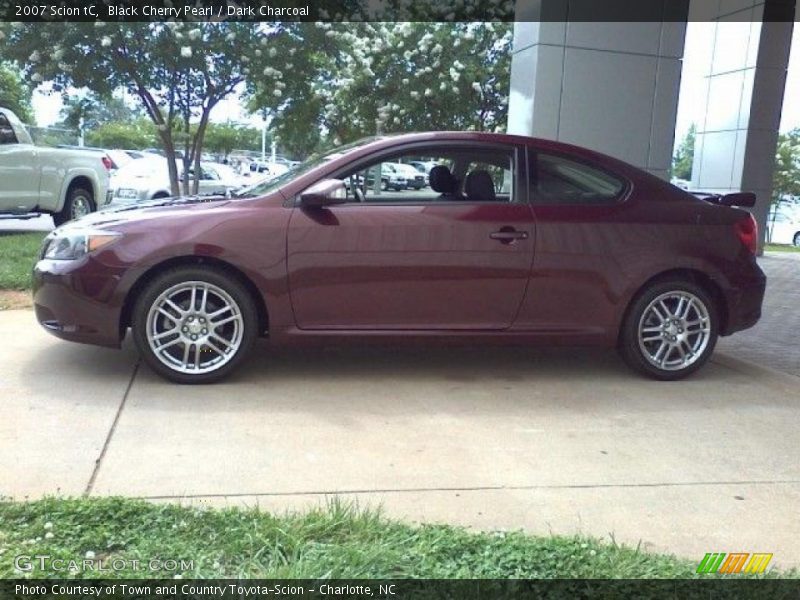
(556, 441)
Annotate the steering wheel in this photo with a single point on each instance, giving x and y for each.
(359, 194)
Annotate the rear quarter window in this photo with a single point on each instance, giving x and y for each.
(560, 180)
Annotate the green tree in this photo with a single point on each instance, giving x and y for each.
(94, 111)
(178, 71)
(684, 155)
(14, 94)
(786, 176)
(223, 138)
(364, 78)
(127, 135)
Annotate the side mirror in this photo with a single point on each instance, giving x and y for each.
(324, 193)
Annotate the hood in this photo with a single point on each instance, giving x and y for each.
(153, 209)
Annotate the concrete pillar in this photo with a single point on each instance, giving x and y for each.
(610, 86)
(747, 62)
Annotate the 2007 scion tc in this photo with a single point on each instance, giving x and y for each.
(513, 240)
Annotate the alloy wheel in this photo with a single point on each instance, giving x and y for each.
(194, 327)
(674, 330)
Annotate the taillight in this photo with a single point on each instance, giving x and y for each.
(747, 230)
(108, 163)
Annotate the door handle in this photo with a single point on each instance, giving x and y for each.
(508, 235)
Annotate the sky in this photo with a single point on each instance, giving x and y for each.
(690, 104)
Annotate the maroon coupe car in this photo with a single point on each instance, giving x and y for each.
(515, 240)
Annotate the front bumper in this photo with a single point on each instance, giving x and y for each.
(76, 300)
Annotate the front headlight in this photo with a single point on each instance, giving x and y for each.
(72, 245)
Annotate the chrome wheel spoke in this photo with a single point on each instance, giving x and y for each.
(204, 300)
(215, 348)
(163, 347)
(169, 315)
(186, 349)
(687, 310)
(221, 339)
(174, 307)
(219, 312)
(216, 324)
(167, 333)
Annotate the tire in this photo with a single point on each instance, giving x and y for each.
(79, 203)
(214, 352)
(796, 240)
(665, 346)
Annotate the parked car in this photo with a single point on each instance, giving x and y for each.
(148, 179)
(414, 179)
(783, 227)
(391, 177)
(422, 166)
(66, 184)
(581, 249)
(112, 159)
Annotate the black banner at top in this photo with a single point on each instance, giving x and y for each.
(396, 10)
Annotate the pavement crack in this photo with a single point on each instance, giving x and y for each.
(478, 489)
(99, 461)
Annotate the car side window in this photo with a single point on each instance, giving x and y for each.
(559, 180)
(458, 174)
(7, 135)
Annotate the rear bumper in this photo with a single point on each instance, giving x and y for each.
(745, 301)
(74, 300)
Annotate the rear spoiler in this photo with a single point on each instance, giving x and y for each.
(744, 199)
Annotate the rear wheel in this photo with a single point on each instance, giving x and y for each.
(194, 324)
(670, 330)
(79, 203)
(796, 240)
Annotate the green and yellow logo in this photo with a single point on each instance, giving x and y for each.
(735, 562)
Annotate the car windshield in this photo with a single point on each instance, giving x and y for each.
(302, 168)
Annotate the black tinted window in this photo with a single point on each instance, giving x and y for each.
(6, 132)
(559, 180)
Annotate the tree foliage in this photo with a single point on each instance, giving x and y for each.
(684, 155)
(179, 71)
(223, 138)
(364, 78)
(94, 111)
(317, 84)
(127, 135)
(786, 177)
(14, 94)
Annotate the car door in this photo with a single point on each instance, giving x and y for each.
(584, 244)
(414, 260)
(19, 182)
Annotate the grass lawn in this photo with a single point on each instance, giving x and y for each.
(781, 248)
(17, 257)
(335, 542)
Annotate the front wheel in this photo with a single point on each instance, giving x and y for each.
(194, 324)
(79, 203)
(796, 240)
(670, 330)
